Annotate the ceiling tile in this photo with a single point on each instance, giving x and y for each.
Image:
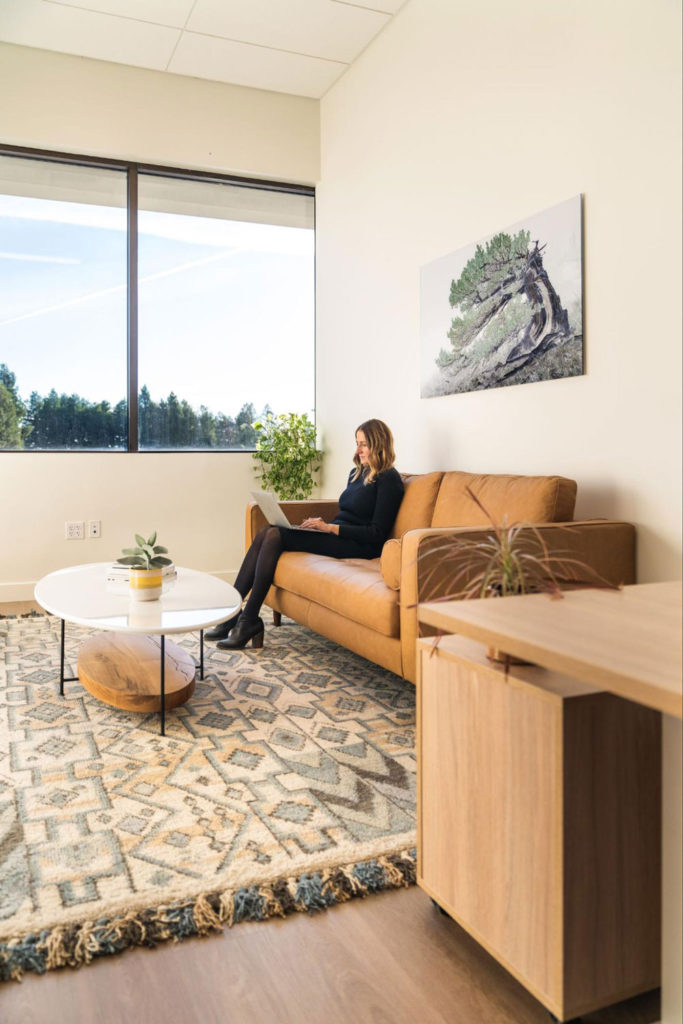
(159, 12)
(259, 67)
(51, 26)
(320, 28)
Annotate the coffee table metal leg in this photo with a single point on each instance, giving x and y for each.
(163, 685)
(201, 653)
(62, 680)
(61, 663)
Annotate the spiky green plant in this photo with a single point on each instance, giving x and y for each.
(147, 555)
(513, 559)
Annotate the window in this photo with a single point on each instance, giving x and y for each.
(225, 300)
(149, 309)
(63, 316)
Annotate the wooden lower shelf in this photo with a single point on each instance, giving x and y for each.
(124, 670)
(539, 824)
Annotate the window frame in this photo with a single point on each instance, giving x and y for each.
(133, 169)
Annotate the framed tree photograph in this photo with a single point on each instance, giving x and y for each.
(505, 310)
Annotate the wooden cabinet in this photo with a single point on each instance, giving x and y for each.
(539, 823)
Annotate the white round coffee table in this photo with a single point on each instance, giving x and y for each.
(124, 665)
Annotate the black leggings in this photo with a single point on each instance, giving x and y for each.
(256, 573)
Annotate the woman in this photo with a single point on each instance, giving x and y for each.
(367, 510)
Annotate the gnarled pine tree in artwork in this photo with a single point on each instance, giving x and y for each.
(508, 322)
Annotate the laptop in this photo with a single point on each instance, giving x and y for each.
(271, 510)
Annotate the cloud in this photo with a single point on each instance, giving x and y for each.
(35, 258)
(79, 299)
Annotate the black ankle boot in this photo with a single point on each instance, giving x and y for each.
(242, 633)
(220, 631)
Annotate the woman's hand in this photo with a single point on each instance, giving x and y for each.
(319, 524)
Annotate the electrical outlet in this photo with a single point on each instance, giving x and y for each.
(94, 528)
(74, 530)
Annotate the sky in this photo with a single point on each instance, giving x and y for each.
(226, 308)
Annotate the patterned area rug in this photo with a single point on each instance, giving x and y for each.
(287, 782)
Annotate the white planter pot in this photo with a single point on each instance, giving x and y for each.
(145, 584)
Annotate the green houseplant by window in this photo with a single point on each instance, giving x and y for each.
(287, 455)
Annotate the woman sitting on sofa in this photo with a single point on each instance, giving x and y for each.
(367, 510)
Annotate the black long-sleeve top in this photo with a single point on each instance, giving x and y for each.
(367, 511)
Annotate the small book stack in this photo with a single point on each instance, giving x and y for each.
(117, 573)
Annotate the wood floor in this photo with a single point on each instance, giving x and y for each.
(19, 608)
(388, 959)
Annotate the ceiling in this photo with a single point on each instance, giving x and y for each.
(293, 46)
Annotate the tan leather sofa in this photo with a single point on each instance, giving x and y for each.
(370, 606)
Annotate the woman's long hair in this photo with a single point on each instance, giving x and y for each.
(381, 443)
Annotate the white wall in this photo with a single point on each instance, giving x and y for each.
(459, 120)
(55, 101)
(195, 501)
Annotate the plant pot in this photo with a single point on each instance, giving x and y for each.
(145, 584)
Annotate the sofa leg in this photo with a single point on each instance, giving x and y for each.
(277, 619)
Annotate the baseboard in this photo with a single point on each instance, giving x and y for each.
(227, 575)
(13, 592)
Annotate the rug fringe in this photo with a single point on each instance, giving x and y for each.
(75, 945)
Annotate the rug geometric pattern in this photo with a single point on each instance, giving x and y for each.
(286, 765)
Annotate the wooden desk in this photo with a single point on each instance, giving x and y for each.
(625, 642)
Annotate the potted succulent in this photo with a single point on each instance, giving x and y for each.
(146, 563)
(287, 454)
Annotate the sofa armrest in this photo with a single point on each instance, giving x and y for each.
(296, 512)
(607, 547)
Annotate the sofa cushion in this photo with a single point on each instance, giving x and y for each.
(352, 587)
(530, 499)
(390, 563)
(417, 506)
